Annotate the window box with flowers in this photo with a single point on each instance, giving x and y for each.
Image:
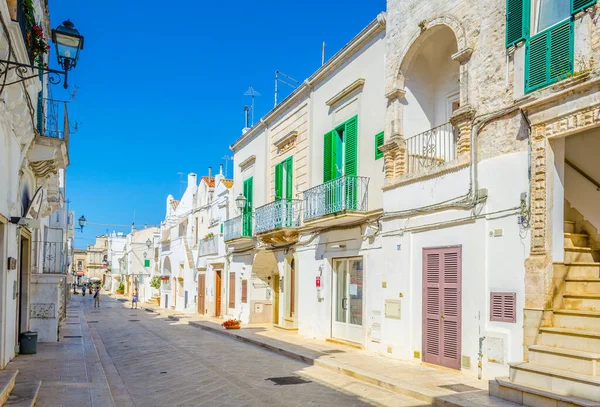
(180, 279)
(37, 42)
(231, 324)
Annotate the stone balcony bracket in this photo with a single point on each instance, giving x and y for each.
(464, 114)
(395, 93)
(463, 55)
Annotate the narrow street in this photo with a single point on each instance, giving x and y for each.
(152, 361)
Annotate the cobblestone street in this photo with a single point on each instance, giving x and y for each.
(150, 360)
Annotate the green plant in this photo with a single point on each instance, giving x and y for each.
(36, 40)
(121, 288)
(155, 282)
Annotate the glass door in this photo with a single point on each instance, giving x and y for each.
(347, 305)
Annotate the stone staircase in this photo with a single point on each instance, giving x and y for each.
(154, 300)
(564, 365)
(188, 254)
(17, 393)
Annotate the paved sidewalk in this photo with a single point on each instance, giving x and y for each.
(70, 369)
(416, 380)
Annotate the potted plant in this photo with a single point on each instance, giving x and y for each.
(231, 324)
(180, 279)
(121, 289)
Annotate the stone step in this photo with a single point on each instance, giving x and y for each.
(576, 240)
(555, 380)
(582, 286)
(570, 360)
(575, 339)
(580, 255)
(25, 394)
(7, 383)
(577, 319)
(582, 302)
(569, 226)
(582, 270)
(530, 396)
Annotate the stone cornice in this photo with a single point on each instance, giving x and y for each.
(396, 93)
(462, 55)
(247, 162)
(578, 87)
(357, 84)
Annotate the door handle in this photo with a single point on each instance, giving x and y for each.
(344, 303)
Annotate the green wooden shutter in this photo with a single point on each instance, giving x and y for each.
(278, 181)
(247, 213)
(517, 21)
(351, 147)
(378, 143)
(578, 5)
(328, 157)
(146, 263)
(289, 179)
(561, 51)
(221, 228)
(549, 56)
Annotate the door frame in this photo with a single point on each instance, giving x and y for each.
(23, 282)
(439, 362)
(218, 296)
(202, 293)
(3, 275)
(332, 311)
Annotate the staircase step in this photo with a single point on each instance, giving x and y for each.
(555, 380)
(580, 255)
(577, 319)
(575, 339)
(582, 270)
(530, 396)
(569, 226)
(7, 383)
(576, 240)
(24, 394)
(582, 302)
(583, 286)
(567, 359)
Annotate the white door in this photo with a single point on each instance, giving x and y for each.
(347, 299)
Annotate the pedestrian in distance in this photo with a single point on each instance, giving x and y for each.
(97, 297)
(83, 291)
(135, 298)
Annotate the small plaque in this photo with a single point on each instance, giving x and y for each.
(42, 311)
(12, 263)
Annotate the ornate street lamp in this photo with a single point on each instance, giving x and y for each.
(68, 43)
(148, 243)
(82, 222)
(240, 202)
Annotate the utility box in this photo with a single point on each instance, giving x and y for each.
(393, 309)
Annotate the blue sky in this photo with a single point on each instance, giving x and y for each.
(161, 89)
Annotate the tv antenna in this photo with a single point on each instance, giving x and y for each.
(252, 93)
(227, 159)
(284, 81)
(181, 174)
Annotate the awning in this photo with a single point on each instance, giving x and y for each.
(95, 279)
(80, 274)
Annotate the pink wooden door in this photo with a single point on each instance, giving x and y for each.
(442, 306)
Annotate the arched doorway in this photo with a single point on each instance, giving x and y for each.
(166, 276)
(265, 285)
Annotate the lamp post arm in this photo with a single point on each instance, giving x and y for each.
(22, 71)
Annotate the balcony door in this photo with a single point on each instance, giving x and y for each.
(340, 159)
(347, 299)
(247, 212)
(284, 192)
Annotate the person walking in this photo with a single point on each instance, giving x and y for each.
(97, 297)
(135, 298)
(83, 290)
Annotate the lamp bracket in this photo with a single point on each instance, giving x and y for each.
(27, 71)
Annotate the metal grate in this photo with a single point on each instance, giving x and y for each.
(134, 320)
(72, 336)
(285, 380)
(121, 299)
(459, 388)
(92, 322)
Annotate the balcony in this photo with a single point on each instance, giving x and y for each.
(346, 196)
(208, 246)
(432, 148)
(238, 228)
(277, 221)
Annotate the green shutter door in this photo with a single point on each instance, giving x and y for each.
(351, 163)
(328, 156)
(146, 263)
(536, 62)
(517, 19)
(578, 5)
(278, 179)
(247, 213)
(561, 51)
(289, 189)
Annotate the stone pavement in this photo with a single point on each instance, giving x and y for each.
(416, 380)
(70, 370)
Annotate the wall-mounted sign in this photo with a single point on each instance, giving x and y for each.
(318, 282)
(12, 263)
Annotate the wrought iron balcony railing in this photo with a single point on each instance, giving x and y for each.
(431, 148)
(278, 214)
(53, 257)
(346, 193)
(238, 227)
(208, 246)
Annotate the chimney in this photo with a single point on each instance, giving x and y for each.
(191, 179)
(220, 169)
(246, 116)
(209, 173)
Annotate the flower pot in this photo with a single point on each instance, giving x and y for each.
(233, 326)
